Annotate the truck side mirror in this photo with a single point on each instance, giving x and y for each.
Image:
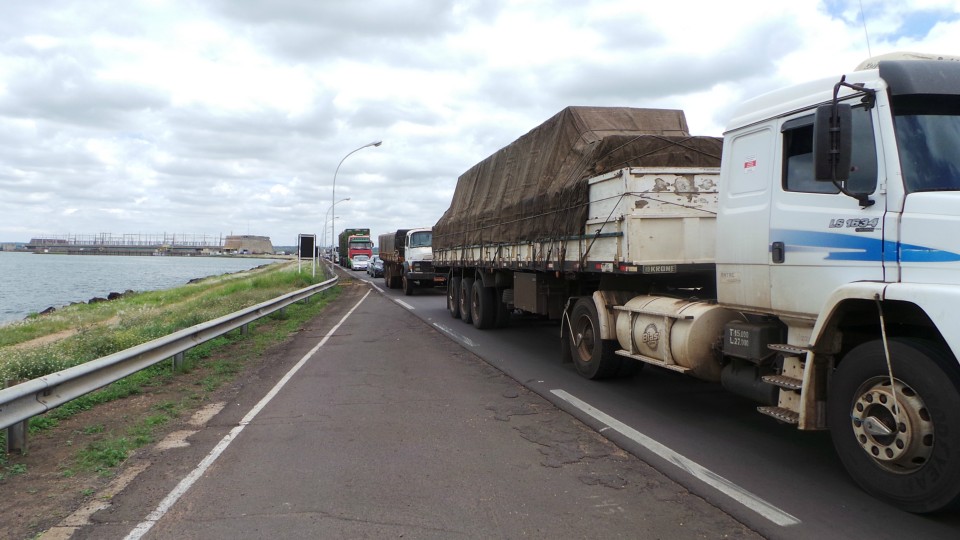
(832, 142)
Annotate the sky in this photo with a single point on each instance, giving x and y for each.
(219, 117)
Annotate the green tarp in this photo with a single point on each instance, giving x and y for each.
(535, 188)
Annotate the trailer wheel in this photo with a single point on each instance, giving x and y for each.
(910, 462)
(453, 296)
(593, 357)
(407, 286)
(483, 305)
(466, 288)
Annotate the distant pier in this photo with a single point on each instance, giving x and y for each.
(181, 245)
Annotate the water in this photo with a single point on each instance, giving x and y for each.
(31, 283)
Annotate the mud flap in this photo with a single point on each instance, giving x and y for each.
(566, 357)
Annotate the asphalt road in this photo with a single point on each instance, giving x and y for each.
(778, 481)
(373, 423)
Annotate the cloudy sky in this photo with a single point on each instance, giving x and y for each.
(212, 117)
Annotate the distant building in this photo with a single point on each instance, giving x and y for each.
(248, 244)
(8, 247)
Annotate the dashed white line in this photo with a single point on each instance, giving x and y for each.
(707, 476)
(404, 304)
(463, 339)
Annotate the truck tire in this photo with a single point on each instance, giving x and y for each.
(911, 464)
(466, 286)
(593, 357)
(453, 296)
(407, 286)
(483, 305)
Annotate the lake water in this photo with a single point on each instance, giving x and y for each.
(31, 283)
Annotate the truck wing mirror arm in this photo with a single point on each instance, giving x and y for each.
(833, 143)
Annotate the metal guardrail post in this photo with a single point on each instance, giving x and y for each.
(178, 362)
(17, 438)
(16, 434)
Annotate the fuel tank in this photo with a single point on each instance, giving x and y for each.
(674, 333)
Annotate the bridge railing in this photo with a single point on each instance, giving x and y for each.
(23, 401)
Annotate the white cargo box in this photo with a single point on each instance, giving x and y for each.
(660, 216)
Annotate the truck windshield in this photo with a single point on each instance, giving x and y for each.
(421, 239)
(928, 135)
(361, 244)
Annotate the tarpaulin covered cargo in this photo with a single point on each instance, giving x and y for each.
(536, 188)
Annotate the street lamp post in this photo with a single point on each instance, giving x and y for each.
(326, 216)
(333, 194)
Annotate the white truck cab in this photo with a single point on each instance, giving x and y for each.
(839, 215)
(408, 259)
(418, 253)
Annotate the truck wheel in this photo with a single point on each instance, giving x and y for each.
(407, 286)
(483, 305)
(453, 297)
(466, 286)
(910, 461)
(593, 357)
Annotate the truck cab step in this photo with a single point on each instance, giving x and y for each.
(790, 383)
(790, 350)
(780, 413)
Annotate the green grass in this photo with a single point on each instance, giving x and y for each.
(136, 319)
(12, 470)
(139, 318)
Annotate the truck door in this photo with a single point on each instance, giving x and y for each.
(743, 238)
(820, 238)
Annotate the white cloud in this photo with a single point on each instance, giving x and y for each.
(232, 115)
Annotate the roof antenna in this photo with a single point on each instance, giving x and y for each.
(863, 18)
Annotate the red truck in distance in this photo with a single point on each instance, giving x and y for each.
(354, 242)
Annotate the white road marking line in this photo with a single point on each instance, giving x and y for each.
(404, 304)
(723, 485)
(144, 526)
(455, 335)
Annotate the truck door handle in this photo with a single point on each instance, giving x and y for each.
(779, 252)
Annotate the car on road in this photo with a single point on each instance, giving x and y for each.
(375, 268)
(359, 262)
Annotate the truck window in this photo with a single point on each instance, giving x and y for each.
(928, 130)
(798, 156)
(361, 244)
(421, 239)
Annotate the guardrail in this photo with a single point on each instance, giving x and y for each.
(23, 401)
